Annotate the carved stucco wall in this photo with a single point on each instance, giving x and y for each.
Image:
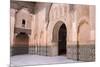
(44, 39)
(23, 14)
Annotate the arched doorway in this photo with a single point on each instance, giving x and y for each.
(62, 40)
(59, 37)
(21, 44)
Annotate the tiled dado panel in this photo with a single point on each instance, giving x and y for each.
(18, 50)
(43, 50)
(38, 50)
(86, 52)
(72, 52)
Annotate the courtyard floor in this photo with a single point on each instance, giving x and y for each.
(38, 60)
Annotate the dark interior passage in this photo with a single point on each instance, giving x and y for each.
(21, 44)
(62, 40)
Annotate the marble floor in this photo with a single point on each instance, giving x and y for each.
(20, 60)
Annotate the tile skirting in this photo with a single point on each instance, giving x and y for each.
(86, 52)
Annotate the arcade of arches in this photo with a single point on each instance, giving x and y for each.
(52, 29)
